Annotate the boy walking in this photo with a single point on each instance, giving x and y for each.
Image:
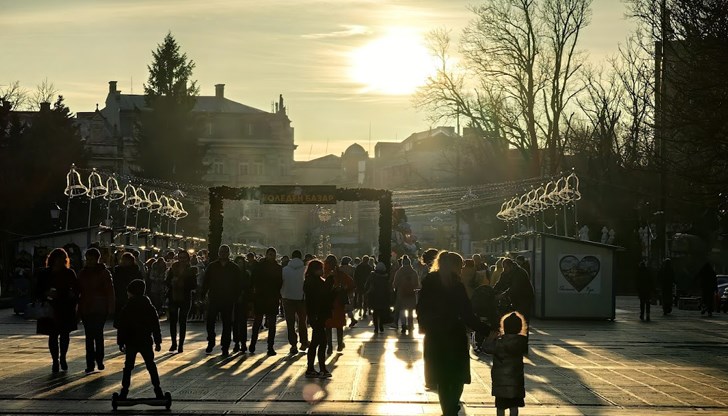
(138, 327)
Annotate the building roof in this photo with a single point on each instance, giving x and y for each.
(203, 104)
(355, 150)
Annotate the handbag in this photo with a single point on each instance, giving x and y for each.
(39, 310)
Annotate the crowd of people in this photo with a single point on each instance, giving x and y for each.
(443, 291)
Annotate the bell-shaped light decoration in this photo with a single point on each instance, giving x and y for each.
(114, 193)
(96, 187)
(143, 202)
(163, 205)
(168, 209)
(131, 199)
(74, 185)
(181, 213)
(154, 203)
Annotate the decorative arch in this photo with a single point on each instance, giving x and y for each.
(219, 194)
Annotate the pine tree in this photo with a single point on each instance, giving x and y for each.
(168, 131)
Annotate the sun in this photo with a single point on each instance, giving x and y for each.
(394, 64)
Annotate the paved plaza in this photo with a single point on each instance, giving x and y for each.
(675, 365)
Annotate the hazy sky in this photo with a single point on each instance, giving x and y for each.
(325, 57)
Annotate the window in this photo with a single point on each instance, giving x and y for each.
(258, 169)
(218, 167)
(250, 129)
(243, 169)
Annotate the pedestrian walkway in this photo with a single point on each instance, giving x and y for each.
(673, 365)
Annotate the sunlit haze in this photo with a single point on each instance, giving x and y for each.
(345, 69)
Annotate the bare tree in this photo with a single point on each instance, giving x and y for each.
(517, 77)
(14, 94)
(45, 92)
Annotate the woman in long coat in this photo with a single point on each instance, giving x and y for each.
(443, 311)
(343, 288)
(406, 282)
(58, 285)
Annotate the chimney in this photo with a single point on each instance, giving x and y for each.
(112, 87)
(45, 106)
(220, 90)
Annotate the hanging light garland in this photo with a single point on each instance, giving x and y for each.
(74, 188)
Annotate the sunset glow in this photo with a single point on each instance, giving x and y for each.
(394, 64)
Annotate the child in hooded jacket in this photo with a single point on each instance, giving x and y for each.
(507, 371)
(138, 327)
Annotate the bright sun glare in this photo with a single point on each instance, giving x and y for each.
(394, 64)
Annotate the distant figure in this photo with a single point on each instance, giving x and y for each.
(347, 268)
(181, 281)
(708, 288)
(507, 371)
(667, 280)
(645, 289)
(222, 287)
(343, 288)
(406, 283)
(242, 306)
(361, 275)
(267, 282)
(96, 303)
(294, 305)
(57, 284)
(514, 283)
(124, 273)
(155, 283)
(378, 294)
(138, 327)
(319, 301)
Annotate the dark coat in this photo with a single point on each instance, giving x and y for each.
(361, 275)
(443, 311)
(222, 283)
(123, 275)
(97, 297)
(319, 299)
(138, 323)
(708, 280)
(507, 371)
(378, 291)
(645, 284)
(517, 285)
(267, 279)
(180, 282)
(62, 289)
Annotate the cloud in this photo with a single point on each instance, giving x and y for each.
(349, 31)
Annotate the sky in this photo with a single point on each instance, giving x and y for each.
(346, 68)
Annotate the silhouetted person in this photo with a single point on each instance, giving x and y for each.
(138, 327)
(708, 288)
(343, 288)
(645, 289)
(406, 283)
(379, 295)
(361, 274)
(181, 281)
(515, 283)
(267, 281)
(319, 301)
(294, 305)
(96, 302)
(57, 284)
(507, 371)
(443, 312)
(667, 280)
(222, 287)
(242, 307)
(124, 273)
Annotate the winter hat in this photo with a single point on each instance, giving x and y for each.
(512, 324)
(137, 287)
(381, 267)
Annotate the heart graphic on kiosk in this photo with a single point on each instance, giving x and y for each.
(579, 272)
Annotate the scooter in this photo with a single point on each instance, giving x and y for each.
(117, 401)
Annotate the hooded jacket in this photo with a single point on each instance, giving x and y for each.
(293, 277)
(138, 323)
(507, 371)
